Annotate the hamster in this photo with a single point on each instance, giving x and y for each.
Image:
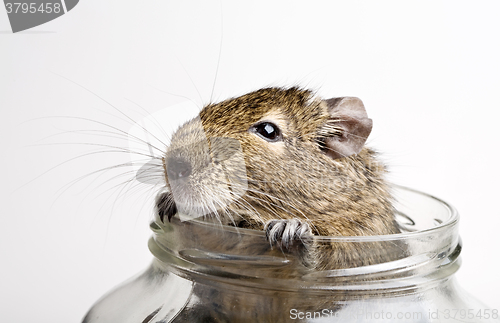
(287, 162)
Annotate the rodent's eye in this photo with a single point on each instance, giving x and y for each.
(267, 130)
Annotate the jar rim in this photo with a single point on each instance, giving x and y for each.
(451, 221)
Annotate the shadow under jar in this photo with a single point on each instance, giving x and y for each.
(205, 272)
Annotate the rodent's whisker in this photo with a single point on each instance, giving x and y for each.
(157, 124)
(125, 186)
(190, 78)
(100, 173)
(128, 118)
(86, 132)
(119, 131)
(117, 149)
(220, 54)
(173, 94)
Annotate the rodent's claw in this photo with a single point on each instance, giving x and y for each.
(288, 234)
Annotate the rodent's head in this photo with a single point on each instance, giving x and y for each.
(273, 153)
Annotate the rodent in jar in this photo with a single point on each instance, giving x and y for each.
(287, 162)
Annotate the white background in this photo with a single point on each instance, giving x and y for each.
(427, 71)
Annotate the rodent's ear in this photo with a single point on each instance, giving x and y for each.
(349, 126)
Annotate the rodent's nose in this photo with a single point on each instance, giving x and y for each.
(178, 168)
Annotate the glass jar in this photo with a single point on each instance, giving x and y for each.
(205, 272)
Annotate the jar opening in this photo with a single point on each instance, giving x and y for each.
(426, 250)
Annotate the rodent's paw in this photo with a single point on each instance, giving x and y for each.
(288, 234)
(165, 206)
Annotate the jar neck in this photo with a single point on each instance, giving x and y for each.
(417, 269)
(425, 255)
